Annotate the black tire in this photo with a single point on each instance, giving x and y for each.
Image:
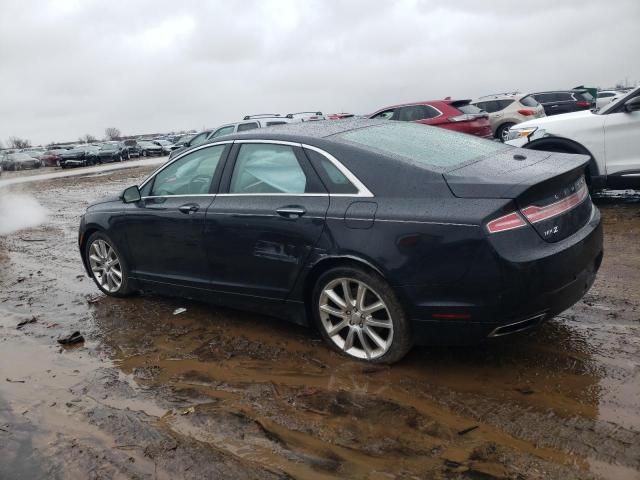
(502, 131)
(401, 341)
(125, 288)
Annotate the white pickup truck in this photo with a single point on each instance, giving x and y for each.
(610, 136)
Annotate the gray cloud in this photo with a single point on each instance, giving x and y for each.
(70, 67)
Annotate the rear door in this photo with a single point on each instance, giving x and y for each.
(268, 217)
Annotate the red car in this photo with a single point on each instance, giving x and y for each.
(458, 115)
(51, 158)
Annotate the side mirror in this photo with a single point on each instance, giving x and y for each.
(131, 195)
(632, 105)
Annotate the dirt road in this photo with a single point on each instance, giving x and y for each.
(215, 393)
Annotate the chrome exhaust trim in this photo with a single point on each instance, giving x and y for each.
(518, 326)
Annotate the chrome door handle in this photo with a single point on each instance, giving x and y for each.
(189, 208)
(291, 212)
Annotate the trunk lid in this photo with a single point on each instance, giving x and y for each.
(548, 189)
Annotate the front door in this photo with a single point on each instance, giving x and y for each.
(622, 142)
(165, 229)
(261, 230)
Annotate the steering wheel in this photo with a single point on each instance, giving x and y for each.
(199, 184)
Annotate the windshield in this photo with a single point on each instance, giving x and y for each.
(109, 147)
(420, 144)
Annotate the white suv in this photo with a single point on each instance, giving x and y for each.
(610, 136)
(508, 109)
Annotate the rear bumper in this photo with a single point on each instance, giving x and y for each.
(528, 290)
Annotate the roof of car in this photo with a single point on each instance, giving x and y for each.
(300, 130)
(500, 96)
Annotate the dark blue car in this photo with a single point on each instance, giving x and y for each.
(381, 234)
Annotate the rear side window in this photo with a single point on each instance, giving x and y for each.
(563, 97)
(417, 112)
(267, 168)
(334, 179)
(247, 126)
(529, 101)
(421, 145)
(502, 104)
(466, 108)
(270, 124)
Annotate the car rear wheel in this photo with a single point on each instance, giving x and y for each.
(108, 268)
(503, 131)
(359, 315)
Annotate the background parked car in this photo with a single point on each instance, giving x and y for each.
(51, 158)
(111, 152)
(609, 136)
(564, 101)
(76, 157)
(458, 115)
(19, 161)
(507, 109)
(606, 96)
(167, 146)
(148, 148)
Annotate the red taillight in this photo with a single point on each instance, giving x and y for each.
(526, 112)
(510, 221)
(538, 214)
(583, 103)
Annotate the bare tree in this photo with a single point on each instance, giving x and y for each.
(87, 138)
(17, 142)
(112, 133)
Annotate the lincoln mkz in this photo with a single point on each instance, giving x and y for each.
(381, 234)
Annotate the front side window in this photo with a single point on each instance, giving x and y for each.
(386, 115)
(191, 175)
(267, 168)
(223, 131)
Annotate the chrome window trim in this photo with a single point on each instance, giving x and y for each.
(363, 191)
(273, 194)
(178, 157)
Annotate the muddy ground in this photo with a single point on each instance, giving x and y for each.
(215, 393)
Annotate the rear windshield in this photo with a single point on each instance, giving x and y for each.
(529, 101)
(585, 95)
(420, 144)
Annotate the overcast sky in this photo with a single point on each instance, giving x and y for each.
(72, 67)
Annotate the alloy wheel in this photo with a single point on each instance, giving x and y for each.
(105, 265)
(355, 318)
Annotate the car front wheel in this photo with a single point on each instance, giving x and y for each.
(503, 131)
(108, 268)
(359, 315)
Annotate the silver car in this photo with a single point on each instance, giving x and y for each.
(508, 109)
